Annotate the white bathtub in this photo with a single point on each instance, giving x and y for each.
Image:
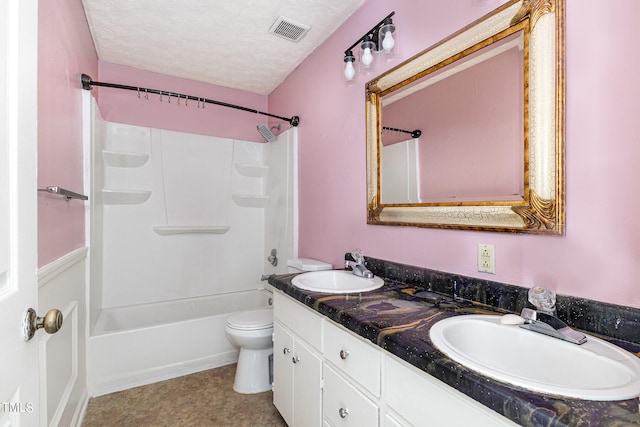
(136, 345)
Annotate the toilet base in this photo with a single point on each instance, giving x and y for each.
(253, 371)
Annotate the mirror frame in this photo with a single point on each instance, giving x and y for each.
(543, 209)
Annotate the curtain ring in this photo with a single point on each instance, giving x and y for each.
(138, 93)
(146, 94)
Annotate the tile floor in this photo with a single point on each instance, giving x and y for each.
(202, 399)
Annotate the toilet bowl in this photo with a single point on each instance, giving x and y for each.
(251, 331)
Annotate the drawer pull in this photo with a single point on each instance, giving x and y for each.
(343, 412)
(295, 359)
(344, 354)
(286, 351)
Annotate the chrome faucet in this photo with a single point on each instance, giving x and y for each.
(547, 324)
(357, 266)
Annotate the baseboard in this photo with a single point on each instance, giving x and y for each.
(162, 373)
(81, 410)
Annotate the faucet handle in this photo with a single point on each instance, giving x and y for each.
(357, 255)
(543, 299)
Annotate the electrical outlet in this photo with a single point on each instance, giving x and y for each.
(486, 258)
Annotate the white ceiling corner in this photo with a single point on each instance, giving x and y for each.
(225, 43)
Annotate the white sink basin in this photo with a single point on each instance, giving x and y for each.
(595, 370)
(335, 282)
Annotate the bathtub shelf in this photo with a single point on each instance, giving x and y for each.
(250, 170)
(125, 197)
(188, 229)
(250, 200)
(124, 160)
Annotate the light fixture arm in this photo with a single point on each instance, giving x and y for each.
(373, 32)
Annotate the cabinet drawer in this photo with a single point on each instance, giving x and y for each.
(419, 397)
(344, 405)
(358, 359)
(300, 320)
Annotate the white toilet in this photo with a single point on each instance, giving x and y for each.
(252, 331)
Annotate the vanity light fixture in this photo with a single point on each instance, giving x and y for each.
(381, 39)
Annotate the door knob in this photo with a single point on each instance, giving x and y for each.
(51, 322)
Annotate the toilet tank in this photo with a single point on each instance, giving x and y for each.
(300, 265)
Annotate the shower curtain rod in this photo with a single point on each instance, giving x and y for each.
(414, 133)
(88, 83)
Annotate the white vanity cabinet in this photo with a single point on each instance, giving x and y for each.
(421, 400)
(340, 379)
(297, 364)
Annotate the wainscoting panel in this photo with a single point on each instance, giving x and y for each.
(62, 359)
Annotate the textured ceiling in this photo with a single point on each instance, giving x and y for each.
(222, 42)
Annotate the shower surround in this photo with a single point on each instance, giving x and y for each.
(179, 220)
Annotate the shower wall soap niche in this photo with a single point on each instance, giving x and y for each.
(120, 159)
(253, 171)
(250, 200)
(125, 197)
(124, 160)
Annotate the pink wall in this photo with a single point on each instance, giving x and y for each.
(598, 258)
(123, 106)
(65, 50)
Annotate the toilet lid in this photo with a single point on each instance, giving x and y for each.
(253, 319)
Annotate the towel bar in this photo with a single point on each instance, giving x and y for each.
(62, 192)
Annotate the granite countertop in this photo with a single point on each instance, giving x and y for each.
(397, 318)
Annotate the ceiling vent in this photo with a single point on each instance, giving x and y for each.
(289, 29)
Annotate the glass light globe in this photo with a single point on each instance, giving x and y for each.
(367, 57)
(388, 42)
(349, 71)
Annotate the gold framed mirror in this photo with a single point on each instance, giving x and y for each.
(439, 157)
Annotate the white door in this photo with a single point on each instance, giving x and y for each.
(18, 210)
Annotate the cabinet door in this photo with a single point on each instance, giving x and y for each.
(283, 372)
(344, 405)
(307, 387)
